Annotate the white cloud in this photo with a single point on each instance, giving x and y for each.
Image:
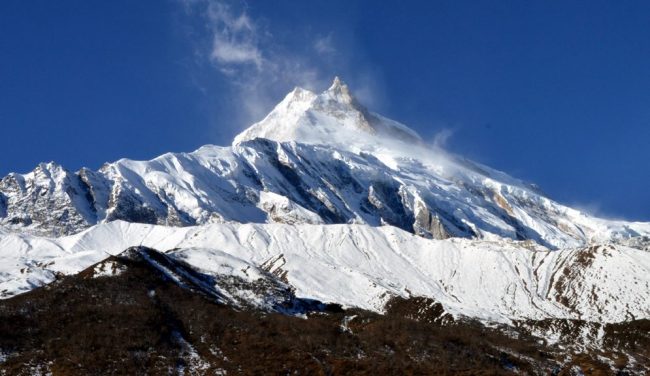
(234, 37)
(227, 52)
(324, 45)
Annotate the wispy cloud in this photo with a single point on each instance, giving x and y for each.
(260, 64)
(441, 138)
(234, 37)
(324, 45)
(257, 66)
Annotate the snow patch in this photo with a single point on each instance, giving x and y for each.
(108, 269)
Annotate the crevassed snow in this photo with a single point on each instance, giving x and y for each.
(362, 266)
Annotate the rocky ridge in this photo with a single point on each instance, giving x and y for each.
(316, 158)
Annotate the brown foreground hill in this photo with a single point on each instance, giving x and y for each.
(141, 322)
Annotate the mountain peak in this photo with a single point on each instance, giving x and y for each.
(331, 117)
(339, 91)
(337, 83)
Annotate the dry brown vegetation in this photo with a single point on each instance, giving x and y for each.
(141, 323)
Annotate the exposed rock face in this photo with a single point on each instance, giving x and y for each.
(282, 210)
(3, 205)
(49, 197)
(427, 224)
(384, 198)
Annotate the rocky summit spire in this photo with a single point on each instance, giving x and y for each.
(340, 91)
(337, 84)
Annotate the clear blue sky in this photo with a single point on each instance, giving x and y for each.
(557, 93)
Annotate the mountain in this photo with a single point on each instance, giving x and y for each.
(146, 312)
(363, 266)
(392, 249)
(315, 159)
(333, 117)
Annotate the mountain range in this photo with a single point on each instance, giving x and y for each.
(323, 203)
(319, 159)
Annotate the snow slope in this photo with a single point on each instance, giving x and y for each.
(363, 266)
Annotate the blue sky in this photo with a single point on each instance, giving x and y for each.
(556, 93)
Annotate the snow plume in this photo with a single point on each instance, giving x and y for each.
(261, 61)
(234, 37)
(441, 138)
(256, 65)
(595, 209)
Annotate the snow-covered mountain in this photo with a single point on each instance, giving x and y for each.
(333, 117)
(325, 201)
(315, 159)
